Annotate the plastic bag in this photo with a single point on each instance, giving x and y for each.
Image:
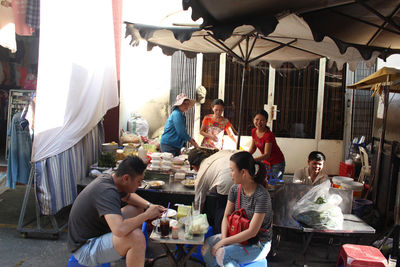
(127, 137)
(195, 225)
(319, 208)
(138, 125)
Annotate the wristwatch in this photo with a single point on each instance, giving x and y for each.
(147, 206)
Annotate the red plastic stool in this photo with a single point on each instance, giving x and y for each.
(360, 256)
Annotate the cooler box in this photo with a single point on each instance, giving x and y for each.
(360, 256)
(346, 169)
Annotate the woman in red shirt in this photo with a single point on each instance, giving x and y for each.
(264, 140)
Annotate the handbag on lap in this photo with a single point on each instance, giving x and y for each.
(238, 222)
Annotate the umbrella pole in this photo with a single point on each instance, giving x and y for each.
(375, 177)
(241, 104)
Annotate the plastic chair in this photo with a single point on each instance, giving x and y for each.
(366, 168)
(359, 255)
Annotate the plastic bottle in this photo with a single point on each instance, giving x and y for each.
(175, 232)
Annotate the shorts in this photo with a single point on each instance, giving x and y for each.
(97, 250)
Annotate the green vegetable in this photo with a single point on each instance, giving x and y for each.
(107, 160)
(320, 200)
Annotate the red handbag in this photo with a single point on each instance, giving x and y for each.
(238, 222)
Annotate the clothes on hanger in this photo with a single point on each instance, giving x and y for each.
(19, 155)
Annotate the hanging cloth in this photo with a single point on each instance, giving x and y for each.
(33, 13)
(19, 9)
(19, 155)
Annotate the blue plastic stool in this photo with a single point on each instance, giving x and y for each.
(72, 262)
(260, 263)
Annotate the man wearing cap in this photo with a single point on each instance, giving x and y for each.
(175, 135)
(213, 175)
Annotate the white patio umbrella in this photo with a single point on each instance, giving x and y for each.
(287, 40)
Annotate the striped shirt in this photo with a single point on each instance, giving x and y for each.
(258, 202)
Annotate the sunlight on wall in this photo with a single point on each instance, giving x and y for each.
(145, 84)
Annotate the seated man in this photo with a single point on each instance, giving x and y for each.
(313, 174)
(213, 175)
(99, 231)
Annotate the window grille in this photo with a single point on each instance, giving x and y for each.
(333, 107)
(210, 80)
(255, 93)
(183, 80)
(296, 92)
(363, 106)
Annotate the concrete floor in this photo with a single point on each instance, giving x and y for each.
(16, 250)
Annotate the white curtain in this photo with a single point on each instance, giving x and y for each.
(77, 80)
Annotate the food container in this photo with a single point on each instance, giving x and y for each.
(180, 175)
(167, 163)
(355, 186)
(165, 168)
(156, 162)
(338, 180)
(130, 149)
(119, 154)
(167, 155)
(109, 147)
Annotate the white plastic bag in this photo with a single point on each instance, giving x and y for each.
(319, 209)
(138, 125)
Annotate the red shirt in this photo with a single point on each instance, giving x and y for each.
(268, 137)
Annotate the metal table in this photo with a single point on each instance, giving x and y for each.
(285, 197)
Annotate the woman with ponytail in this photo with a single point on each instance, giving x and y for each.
(248, 175)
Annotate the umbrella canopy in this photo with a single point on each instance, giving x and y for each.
(288, 39)
(367, 25)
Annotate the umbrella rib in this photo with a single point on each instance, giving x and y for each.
(224, 48)
(272, 50)
(365, 22)
(240, 48)
(388, 20)
(383, 25)
(291, 46)
(252, 46)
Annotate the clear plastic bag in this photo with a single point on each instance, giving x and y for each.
(197, 224)
(138, 125)
(319, 208)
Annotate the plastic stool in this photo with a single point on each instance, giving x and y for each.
(259, 263)
(146, 235)
(358, 255)
(72, 262)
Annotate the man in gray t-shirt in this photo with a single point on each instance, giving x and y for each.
(99, 231)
